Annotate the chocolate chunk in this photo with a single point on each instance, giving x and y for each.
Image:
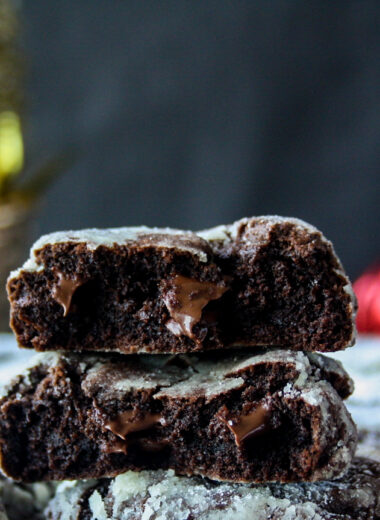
(127, 422)
(269, 416)
(165, 291)
(249, 425)
(185, 299)
(64, 290)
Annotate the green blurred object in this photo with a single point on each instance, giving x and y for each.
(11, 146)
(21, 185)
(11, 96)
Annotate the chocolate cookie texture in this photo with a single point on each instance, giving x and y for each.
(261, 281)
(160, 495)
(274, 416)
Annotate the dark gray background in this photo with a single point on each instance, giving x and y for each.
(192, 114)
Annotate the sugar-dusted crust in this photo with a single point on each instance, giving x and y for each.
(160, 495)
(274, 416)
(260, 281)
(164, 238)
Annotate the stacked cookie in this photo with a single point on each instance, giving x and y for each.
(173, 351)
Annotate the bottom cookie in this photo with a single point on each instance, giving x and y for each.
(154, 495)
(270, 416)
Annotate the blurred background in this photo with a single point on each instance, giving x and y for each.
(191, 114)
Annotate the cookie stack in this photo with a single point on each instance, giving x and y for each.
(173, 361)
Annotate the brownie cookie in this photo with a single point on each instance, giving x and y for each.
(23, 501)
(274, 416)
(160, 494)
(261, 281)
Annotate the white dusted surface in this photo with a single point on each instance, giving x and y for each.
(12, 358)
(362, 363)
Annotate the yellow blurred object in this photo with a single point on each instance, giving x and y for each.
(11, 99)
(21, 184)
(11, 145)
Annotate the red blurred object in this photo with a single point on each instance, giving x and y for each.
(367, 290)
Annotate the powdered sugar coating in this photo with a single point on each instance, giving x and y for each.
(212, 376)
(331, 368)
(319, 394)
(161, 495)
(47, 359)
(72, 492)
(231, 231)
(94, 238)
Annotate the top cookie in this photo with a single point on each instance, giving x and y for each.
(260, 281)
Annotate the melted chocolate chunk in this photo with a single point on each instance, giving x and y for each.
(127, 422)
(185, 299)
(64, 291)
(249, 425)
